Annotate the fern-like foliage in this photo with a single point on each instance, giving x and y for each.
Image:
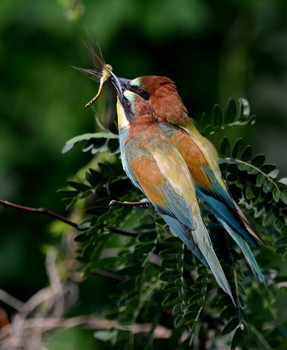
(260, 188)
(159, 280)
(237, 113)
(102, 141)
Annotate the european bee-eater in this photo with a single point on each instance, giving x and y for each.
(159, 171)
(198, 152)
(200, 156)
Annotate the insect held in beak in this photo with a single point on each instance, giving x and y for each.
(101, 72)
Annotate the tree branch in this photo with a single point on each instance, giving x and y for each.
(42, 211)
(56, 216)
(46, 324)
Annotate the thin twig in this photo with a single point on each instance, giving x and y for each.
(107, 274)
(42, 211)
(125, 232)
(144, 203)
(10, 300)
(46, 324)
(55, 283)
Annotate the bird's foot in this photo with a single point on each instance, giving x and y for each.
(145, 203)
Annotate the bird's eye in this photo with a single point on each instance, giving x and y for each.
(127, 104)
(139, 90)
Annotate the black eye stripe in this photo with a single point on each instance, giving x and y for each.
(138, 90)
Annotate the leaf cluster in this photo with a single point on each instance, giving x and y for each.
(102, 141)
(237, 113)
(257, 183)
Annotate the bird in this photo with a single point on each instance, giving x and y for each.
(201, 158)
(156, 167)
(197, 151)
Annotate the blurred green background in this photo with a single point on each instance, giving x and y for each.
(213, 50)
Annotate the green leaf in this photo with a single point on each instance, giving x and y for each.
(225, 147)
(244, 107)
(231, 112)
(195, 298)
(94, 177)
(96, 135)
(68, 147)
(269, 218)
(251, 170)
(247, 153)
(99, 145)
(86, 137)
(274, 173)
(78, 186)
(228, 312)
(68, 193)
(276, 194)
(105, 336)
(283, 180)
(249, 192)
(243, 166)
(230, 326)
(113, 146)
(209, 129)
(258, 160)
(237, 148)
(169, 275)
(260, 180)
(85, 224)
(217, 117)
(170, 287)
(267, 168)
(107, 169)
(267, 186)
(170, 301)
(223, 300)
(236, 338)
(88, 145)
(284, 196)
(179, 321)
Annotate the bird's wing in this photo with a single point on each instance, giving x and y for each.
(201, 158)
(163, 177)
(205, 172)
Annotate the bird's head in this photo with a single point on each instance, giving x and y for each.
(130, 105)
(162, 95)
(148, 85)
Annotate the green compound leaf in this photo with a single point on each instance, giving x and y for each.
(92, 141)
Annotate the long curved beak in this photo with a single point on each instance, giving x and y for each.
(125, 83)
(120, 84)
(116, 83)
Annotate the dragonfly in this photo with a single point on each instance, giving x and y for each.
(101, 71)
